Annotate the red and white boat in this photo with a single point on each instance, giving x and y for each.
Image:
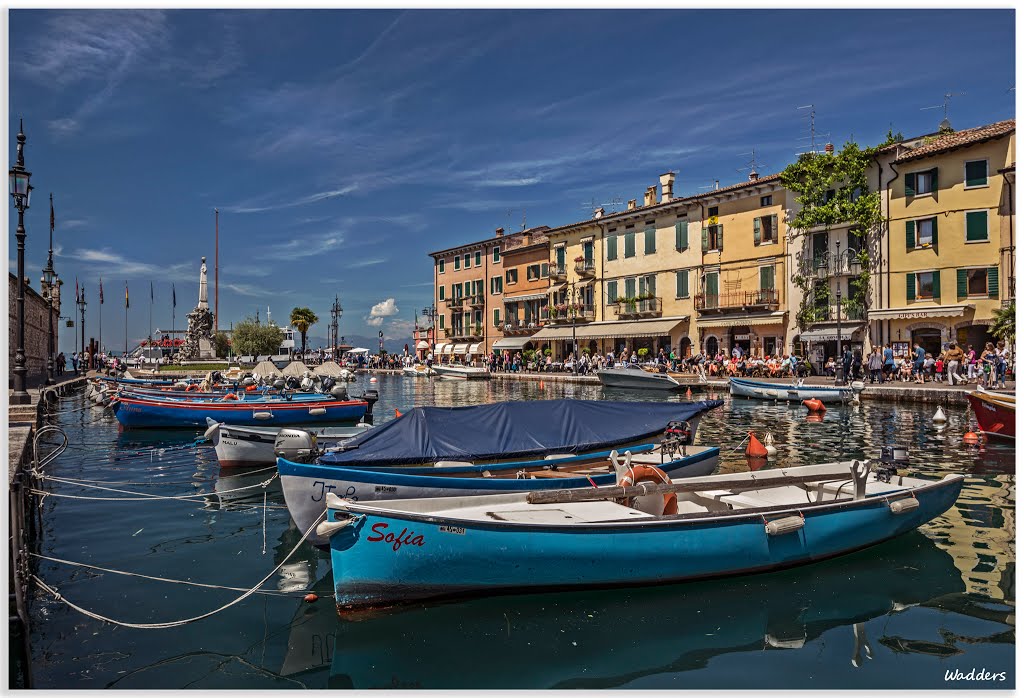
(996, 412)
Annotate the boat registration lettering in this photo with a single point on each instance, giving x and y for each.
(406, 537)
(457, 530)
(384, 488)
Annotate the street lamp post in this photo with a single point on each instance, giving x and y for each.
(335, 314)
(572, 313)
(49, 286)
(81, 310)
(431, 312)
(21, 192)
(833, 268)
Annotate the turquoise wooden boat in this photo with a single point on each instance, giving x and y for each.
(400, 551)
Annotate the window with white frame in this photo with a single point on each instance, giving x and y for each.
(975, 174)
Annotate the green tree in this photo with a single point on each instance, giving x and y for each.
(250, 338)
(302, 319)
(221, 344)
(1004, 325)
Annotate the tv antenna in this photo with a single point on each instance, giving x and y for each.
(593, 204)
(814, 147)
(710, 187)
(945, 125)
(753, 163)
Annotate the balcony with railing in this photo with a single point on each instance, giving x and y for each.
(823, 264)
(513, 327)
(567, 312)
(585, 268)
(846, 314)
(730, 301)
(556, 273)
(455, 302)
(638, 308)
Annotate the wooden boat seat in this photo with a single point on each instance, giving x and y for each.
(450, 463)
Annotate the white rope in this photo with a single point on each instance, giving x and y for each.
(143, 495)
(269, 592)
(184, 621)
(199, 498)
(264, 520)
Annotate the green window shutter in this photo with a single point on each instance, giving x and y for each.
(911, 287)
(440, 322)
(681, 242)
(704, 239)
(908, 184)
(440, 293)
(977, 225)
(935, 179)
(993, 282)
(935, 234)
(630, 245)
(711, 284)
(613, 291)
(560, 257)
(961, 284)
(649, 241)
(976, 173)
(630, 288)
(775, 227)
(721, 237)
(911, 236)
(757, 231)
(936, 286)
(682, 284)
(613, 247)
(767, 278)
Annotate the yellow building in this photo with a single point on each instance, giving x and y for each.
(948, 237)
(741, 300)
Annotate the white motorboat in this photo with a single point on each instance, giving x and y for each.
(633, 376)
(467, 372)
(794, 392)
(245, 445)
(418, 370)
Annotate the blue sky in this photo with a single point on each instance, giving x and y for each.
(342, 146)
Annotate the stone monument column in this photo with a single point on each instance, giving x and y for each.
(202, 286)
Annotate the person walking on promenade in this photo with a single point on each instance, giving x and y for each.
(989, 359)
(887, 363)
(875, 365)
(954, 359)
(1003, 354)
(918, 363)
(971, 361)
(858, 364)
(847, 360)
(74, 362)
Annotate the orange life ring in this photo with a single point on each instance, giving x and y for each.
(649, 473)
(229, 396)
(250, 388)
(192, 388)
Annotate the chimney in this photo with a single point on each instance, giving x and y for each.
(527, 237)
(500, 232)
(829, 149)
(753, 175)
(631, 204)
(598, 212)
(667, 180)
(650, 196)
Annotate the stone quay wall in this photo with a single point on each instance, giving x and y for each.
(35, 332)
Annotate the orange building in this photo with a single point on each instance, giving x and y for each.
(524, 287)
(466, 299)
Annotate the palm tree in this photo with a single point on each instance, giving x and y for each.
(302, 319)
(1004, 324)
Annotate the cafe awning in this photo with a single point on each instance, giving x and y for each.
(460, 349)
(601, 330)
(743, 320)
(828, 334)
(918, 313)
(511, 342)
(555, 288)
(422, 345)
(439, 348)
(447, 349)
(530, 297)
(475, 348)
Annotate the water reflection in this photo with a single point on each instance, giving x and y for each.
(607, 639)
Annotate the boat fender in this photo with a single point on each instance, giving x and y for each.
(638, 474)
(208, 434)
(939, 417)
(192, 388)
(787, 524)
(317, 411)
(229, 397)
(769, 444)
(262, 415)
(902, 506)
(310, 598)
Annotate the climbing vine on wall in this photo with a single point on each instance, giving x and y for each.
(832, 190)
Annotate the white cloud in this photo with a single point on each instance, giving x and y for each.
(383, 309)
(117, 265)
(310, 199)
(366, 263)
(374, 321)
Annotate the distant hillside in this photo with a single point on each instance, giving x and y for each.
(391, 346)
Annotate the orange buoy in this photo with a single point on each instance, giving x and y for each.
(542, 385)
(815, 418)
(310, 598)
(971, 438)
(397, 413)
(814, 405)
(755, 449)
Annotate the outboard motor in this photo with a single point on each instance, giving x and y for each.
(216, 377)
(247, 381)
(326, 384)
(180, 385)
(279, 384)
(339, 392)
(678, 435)
(371, 397)
(292, 383)
(888, 459)
(296, 445)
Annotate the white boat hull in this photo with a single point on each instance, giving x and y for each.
(791, 393)
(237, 445)
(637, 379)
(467, 372)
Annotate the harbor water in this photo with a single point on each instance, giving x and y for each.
(916, 612)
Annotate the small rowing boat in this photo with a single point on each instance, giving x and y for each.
(145, 412)
(238, 445)
(792, 392)
(399, 551)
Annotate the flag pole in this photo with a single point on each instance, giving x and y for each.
(126, 321)
(150, 346)
(101, 315)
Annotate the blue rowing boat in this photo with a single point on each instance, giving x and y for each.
(399, 551)
(241, 395)
(136, 411)
(305, 485)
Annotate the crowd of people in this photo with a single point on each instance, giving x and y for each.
(987, 368)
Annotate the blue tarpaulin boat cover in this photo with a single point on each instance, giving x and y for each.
(512, 430)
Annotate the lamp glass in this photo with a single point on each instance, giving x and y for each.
(20, 182)
(48, 276)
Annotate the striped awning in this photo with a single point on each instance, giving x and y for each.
(475, 348)
(530, 297)
(447, 349)
(439, 348)
(768, 319)
(460, 349)
(511, 342)
(601, 330)
(422, 345)
(919, 312)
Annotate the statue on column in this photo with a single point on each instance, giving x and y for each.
(198, 343)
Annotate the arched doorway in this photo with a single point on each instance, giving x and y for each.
(685, 348)
(711, 346)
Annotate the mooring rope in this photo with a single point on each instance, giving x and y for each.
(268, 592)
(158, 496)
(184, 621)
